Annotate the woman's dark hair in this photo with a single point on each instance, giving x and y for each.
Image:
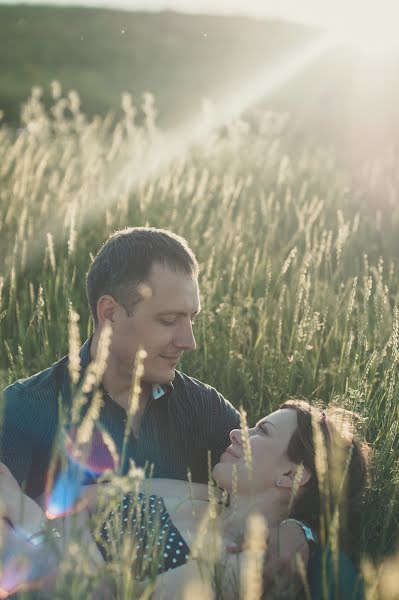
(125, 260)
(338, 462)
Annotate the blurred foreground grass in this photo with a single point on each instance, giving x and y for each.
(298, 252)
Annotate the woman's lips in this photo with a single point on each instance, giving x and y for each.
(229, 452)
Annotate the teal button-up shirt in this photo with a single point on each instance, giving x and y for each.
(182, 421)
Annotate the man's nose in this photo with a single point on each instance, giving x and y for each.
(185, 339)
(236, 437)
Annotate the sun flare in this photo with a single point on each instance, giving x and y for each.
(373, 32)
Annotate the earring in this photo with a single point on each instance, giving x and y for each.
(279, 481)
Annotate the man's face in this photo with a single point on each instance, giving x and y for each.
(161, 324)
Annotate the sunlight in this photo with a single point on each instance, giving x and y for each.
(167, 148)
(373, 32)
(259, 87)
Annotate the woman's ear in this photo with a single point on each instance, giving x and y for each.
(297, 475)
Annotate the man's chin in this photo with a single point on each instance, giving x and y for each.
(162, 378)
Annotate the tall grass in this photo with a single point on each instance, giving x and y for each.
(298, 252)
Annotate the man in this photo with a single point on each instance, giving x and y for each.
(143, 284)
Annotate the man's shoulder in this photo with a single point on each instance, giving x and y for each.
(208, 412)
(198, 390)
(183, 381)
(33, 387)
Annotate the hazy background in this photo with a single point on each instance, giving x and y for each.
(325, 12)
(187, 51)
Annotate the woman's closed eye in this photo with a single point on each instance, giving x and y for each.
(167, 322)
(263, 428)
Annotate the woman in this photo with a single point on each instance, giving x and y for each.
(276, 472)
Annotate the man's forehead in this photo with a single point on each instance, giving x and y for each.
(164, 279)
(175, 294)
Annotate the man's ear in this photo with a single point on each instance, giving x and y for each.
(106, 308)
(297, 475)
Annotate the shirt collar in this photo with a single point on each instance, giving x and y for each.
(159, 391)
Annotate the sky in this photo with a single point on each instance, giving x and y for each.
(324, 12)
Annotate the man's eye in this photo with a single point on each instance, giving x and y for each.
(263, 429)
(165, 322)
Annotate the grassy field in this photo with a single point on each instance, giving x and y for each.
(298, 252)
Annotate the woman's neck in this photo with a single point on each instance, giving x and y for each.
(235, 517)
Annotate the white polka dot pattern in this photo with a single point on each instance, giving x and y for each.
(147, 521)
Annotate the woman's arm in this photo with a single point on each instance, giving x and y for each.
(166, 488)
(287, 549)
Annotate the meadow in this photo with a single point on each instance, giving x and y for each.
(298, 249)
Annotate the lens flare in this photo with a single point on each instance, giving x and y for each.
(23, 565)
(79, 465)
(94, 457)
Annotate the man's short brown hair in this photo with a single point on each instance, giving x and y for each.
(125, 260)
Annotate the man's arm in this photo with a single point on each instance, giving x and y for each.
(16, 448)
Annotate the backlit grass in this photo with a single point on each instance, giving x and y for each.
(298, 252)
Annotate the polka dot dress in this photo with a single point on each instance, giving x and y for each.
(156, 544)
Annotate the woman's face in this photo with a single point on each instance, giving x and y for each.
(269, 441)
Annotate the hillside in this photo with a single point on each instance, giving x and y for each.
(183, 59)
(102, 53)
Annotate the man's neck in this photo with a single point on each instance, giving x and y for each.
(121, 392)
(118, 383)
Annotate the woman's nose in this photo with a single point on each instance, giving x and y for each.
(235, 436)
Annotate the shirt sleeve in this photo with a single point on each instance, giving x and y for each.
(16, 447)
(224, 418)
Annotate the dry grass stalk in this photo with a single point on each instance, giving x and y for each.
(85, 430)
(245, 441)
(74, 347)
(382, 580)
(198, 589)
(251, 570)
(93, 374)
(134, 399)
(295, 485)
(322, 471)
